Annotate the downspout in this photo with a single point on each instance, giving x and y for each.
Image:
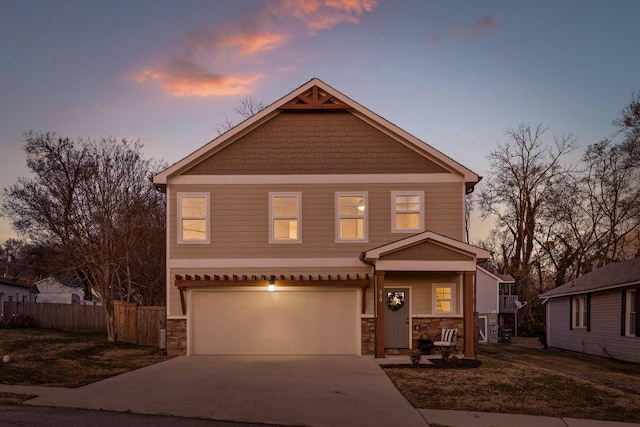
(378, 321)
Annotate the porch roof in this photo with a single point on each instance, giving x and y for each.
(427, 251)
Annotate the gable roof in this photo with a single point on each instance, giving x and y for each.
(611, 276)
(502, 278)
(51, 285)
(463, 256)
(16, 284)
(317, 95)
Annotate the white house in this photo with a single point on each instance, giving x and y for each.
(52, 291)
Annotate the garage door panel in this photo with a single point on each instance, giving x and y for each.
(285, 322)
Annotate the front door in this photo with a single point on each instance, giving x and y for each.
(396, 318)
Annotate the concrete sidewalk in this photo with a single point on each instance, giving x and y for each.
(487, 419)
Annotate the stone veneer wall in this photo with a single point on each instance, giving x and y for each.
(433, 328)
(176, 337)
(368, 336)
(177, 334)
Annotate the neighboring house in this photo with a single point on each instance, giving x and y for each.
(495, 298)
(317, 227)
(597, 312)
(11, 290)
(51, 290)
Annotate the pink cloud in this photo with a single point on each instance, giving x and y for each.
(321, 15)
(209, 54)
(251, 44)
(183, 78)
(466, 31)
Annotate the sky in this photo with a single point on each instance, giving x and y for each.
(455, 74)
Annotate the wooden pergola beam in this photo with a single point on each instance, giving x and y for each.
(187, 281)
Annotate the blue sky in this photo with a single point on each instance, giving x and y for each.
(456, 74)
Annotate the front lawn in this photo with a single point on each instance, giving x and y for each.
(520, 380)
(51, 357)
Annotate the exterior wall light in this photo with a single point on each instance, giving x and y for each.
(272, 286)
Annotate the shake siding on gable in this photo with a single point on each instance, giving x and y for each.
(315, 143)
(603, 339)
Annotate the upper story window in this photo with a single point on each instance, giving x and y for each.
(579, 311)
(351, 217)
(443, 298)
(193, 218)
(284, 217)
(407, 210)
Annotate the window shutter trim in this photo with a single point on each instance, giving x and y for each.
(588, 319)
(637, 317)
(623, 317)
(571, 313)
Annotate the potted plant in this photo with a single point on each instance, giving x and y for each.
(415, 355)
(424, 343)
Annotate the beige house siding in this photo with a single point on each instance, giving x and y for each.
(314, 143)
(240, 217)
(422, 285)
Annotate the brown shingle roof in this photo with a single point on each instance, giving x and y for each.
(617, 274)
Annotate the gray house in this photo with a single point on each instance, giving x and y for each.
(11, 290)
(597, 313)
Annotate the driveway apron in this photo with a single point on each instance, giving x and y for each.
(293, 390)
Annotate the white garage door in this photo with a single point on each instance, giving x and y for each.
(281, 322)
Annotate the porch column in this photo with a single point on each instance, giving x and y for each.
(468, 292)
(380, 306)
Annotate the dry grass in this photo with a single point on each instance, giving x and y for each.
(521, 380)
(58, 358)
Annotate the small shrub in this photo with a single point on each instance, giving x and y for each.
(21, 321)
(453, 360)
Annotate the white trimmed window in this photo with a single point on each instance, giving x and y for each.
(579, 311)
(193, 217)
(284, 217)
(351, 217)
(631, 313)
(407, 211)
(443, 299)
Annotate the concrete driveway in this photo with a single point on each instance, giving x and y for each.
(290, 390)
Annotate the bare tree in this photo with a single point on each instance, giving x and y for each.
(91, 200)
(246, 108)
(595, 218)
(519, 189)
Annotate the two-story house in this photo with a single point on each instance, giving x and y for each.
(317, 227)
(496, 298)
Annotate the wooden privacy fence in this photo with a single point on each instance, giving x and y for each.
(140, 325)
(60, 316)
(137, 325)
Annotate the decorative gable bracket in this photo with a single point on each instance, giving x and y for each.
(315, 99)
